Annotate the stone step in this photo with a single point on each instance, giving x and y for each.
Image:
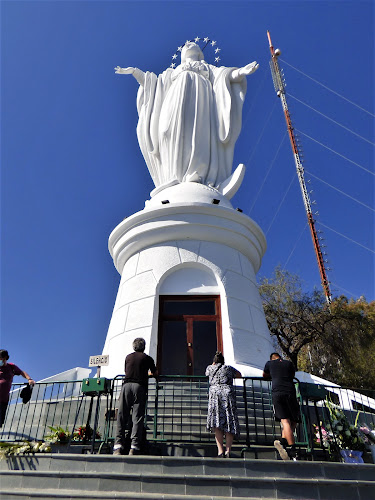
(168, 448)
(169, 465)
(25, 494)
(193, 432)
(224, 485)
(91, 476)
(209, 449)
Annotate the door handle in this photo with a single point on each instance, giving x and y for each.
(189, 344)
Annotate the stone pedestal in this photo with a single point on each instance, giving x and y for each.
(188, 240)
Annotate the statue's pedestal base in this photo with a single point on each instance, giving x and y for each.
(188, 247)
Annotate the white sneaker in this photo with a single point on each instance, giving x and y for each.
(282, 451)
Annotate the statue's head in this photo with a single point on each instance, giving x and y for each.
(191, 50)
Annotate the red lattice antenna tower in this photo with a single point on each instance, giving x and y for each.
(279, 83)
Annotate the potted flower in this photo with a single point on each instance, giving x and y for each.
(84, 433)
(58, 438)
(346, 436)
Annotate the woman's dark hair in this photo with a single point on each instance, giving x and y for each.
(4, 354)
(219, 358)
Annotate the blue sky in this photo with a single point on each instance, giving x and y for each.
(72, 168)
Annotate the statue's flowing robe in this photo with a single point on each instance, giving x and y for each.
(189, 120)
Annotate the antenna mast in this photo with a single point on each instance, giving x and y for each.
(279, 84)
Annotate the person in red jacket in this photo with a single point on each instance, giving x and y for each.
(7, 372)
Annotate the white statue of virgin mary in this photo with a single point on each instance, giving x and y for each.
(189, 119)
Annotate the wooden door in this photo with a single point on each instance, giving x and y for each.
(189, 333)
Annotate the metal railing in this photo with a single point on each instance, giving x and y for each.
(354, 402)
(261, 426)
(358, 406)
(52, 404)
(177, 410)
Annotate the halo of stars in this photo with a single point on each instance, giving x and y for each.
(203, 41)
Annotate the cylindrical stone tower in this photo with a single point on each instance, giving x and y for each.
(187, 264)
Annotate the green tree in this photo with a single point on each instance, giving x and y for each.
(295, 318)
(345, 353)
(335, 343)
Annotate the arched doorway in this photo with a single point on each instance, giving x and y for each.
(189, 333)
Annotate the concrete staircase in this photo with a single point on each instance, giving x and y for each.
(72, 476)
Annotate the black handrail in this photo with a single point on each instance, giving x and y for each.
(172, 399)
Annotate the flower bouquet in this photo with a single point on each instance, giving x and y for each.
(323, 436)
(346, 437)
(24, 448)
(367, 434)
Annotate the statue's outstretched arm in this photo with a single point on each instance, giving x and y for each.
(137, 73)
(238, 74)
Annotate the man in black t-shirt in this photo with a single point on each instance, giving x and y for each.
(285, 404)
(133, 397)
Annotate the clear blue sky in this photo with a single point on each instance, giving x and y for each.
(72, 168)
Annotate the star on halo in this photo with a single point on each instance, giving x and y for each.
(204, 42)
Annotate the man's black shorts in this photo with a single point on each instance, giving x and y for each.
(285, 406)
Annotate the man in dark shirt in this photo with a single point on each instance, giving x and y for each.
(285, 404)
(133, 396)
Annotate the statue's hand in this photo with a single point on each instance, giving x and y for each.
(248, 69)
(124, 71)
(137, 73)
(240, 73)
